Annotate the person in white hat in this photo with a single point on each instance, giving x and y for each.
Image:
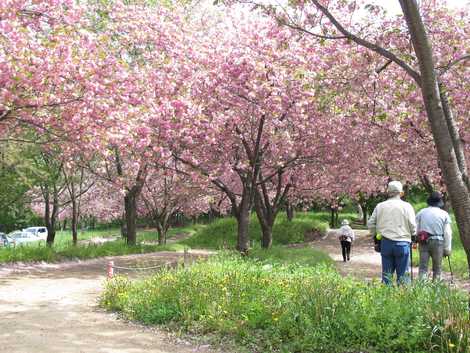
(394, 219)
(346, 237)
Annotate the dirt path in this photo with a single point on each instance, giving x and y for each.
(365, 262)
(47, 308)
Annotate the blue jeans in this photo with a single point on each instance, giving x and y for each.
(395, 258)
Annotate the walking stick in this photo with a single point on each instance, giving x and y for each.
(411, 260)
(451, 273)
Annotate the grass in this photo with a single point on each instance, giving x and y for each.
(294, 308)
(224, 231)
(282, 255)
(57, 254)
(64, 250)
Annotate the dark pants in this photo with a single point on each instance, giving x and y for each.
(395, 258)
(434, 248)
(346, 249)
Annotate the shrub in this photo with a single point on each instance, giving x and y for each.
(224, 231)
(292, 308)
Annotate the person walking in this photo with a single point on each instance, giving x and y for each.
(434, 236)
(346, 237)
(395, 220)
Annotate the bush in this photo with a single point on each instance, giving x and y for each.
(291, 308)
(224, 231)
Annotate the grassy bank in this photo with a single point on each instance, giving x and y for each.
(291, 308)
(223, 231)
(57, 254)
(63, 248)
(305, 256)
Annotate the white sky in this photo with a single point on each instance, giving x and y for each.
(393, 6)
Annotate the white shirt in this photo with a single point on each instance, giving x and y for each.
(394, 219)
(436, 222)
(348, 232)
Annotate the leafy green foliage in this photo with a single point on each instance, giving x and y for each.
(292, 308)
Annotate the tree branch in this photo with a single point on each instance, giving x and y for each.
(365, 43)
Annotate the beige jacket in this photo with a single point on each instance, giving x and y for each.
(394, 219)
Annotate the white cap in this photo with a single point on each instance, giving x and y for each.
(345, 222)
(395, 187)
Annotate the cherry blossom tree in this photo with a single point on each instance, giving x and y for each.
(169, 190)
(437, 35)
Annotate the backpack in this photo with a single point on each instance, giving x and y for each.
(423, 237)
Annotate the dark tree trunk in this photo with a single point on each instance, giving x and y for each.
(267, 236)
(130, 206)
(162, 222)
(64, 225)
(290, 212)
(52, 219)
(124, 225)
(74, 221)
(333, 217)
(364, 215)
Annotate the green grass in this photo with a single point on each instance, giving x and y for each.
(292, 308)
(64, 238)
(53, 254)
(63, 248)
(224, 231)
(283, 255)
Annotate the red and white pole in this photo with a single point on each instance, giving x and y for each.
(110, 269)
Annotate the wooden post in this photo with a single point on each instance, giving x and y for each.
(186, 258)
(110, 269)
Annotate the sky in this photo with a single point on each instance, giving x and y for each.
(393, 6)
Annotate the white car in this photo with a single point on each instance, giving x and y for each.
(40, 232)
(20, 237)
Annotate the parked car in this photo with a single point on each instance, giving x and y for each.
(5, 240)
(20, 237)
(40, 232)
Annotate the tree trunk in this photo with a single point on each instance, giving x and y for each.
(452, 168)
(52, 219)
(161, 234)
(162, 222)
(360, 212)
(290, 212)
(333, 217)
(130, 206)
(64, 225)
(267, 236)
(266, 220)
(243, 222)
(74, 221)
(47, 214)
(124, 224)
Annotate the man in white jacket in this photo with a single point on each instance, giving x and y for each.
(394, 219)
(434, 236)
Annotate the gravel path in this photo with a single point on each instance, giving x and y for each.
(48, 308)
(365, 262)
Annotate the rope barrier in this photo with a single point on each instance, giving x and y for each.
(111, 267)
(140, 268)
